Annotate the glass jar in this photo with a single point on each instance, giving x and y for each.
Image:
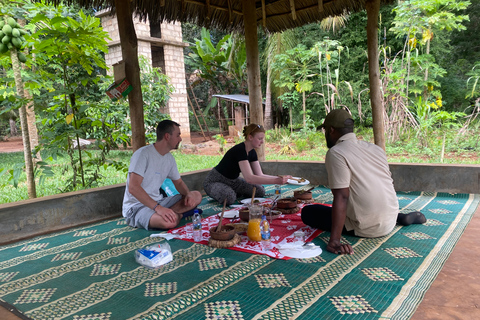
(255, 216)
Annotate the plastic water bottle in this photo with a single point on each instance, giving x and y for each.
(278, 190)
(197, 226)
(265, 233)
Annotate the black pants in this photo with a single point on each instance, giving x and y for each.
(320, 217)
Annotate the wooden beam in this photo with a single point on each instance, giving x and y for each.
(292, 9)
(129, 44)
(253, 67)
(216, 7)
(230, 13)
(264, 15)
(373, 8)
(320, 5)
(297, 10)
(159, 42)
(209, 10)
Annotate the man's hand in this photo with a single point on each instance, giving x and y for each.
(166, 214)
(189, 200)
(335, 246)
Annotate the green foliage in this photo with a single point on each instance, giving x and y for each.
(301, 145)
(428, 116)
(71, 47)
(156, 91)
(314, 69)
(420, 20)
(223, 64)
(219, 69)
(276, 134)
(221, 141)
(472, 82)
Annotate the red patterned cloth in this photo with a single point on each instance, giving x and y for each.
(281, 228)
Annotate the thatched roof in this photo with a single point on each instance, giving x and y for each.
(227, 15)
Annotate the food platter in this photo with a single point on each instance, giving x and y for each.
(255, 200)
(298, 181)
(230, 214)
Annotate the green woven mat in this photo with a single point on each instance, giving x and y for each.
(90, 272)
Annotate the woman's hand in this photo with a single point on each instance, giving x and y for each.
(283, 179)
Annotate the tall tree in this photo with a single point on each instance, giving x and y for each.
(277, 43)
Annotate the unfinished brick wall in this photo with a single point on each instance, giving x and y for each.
(163, 47)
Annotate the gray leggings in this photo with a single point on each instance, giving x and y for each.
(220, 188)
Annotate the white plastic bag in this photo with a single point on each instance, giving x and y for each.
(155, 255)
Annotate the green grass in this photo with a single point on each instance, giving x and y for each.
(409, 149)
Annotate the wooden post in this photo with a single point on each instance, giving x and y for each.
(239, 118)
(129, 44)
(373, 7)
(253, 67)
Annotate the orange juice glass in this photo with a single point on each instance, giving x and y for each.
(253, 231)
(255, 216)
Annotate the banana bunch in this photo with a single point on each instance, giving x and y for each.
(11, 35)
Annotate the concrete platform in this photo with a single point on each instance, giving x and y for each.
(455, 294)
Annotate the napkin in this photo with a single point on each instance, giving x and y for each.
(167, 236)
(298, 251)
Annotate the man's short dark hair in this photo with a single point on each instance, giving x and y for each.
(165, 126)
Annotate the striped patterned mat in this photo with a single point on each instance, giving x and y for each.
(90, 272)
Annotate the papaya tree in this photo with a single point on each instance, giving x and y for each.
(12, 41)
(68, 48)
(420, 22)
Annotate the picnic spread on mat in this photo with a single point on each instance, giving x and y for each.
(282, 227)
(90, 272)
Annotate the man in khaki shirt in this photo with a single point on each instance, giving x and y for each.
(365, 203)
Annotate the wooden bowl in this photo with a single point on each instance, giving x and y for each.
(275, 214)
(244, 214)
(286, 203)
(302, 195)
(225, 234)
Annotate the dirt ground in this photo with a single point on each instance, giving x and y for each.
(198, 145)
(11, 144)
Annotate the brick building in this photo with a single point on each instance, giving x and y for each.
(162, 45)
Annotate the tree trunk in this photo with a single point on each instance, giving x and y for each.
(253, 67)
(27, 151)
(268, 100)
(129, 44)
(32, 125)
(373, 7)
(304, 109)
(13, 127)
(425, 91)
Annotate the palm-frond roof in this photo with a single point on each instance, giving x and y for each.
(227, 15)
